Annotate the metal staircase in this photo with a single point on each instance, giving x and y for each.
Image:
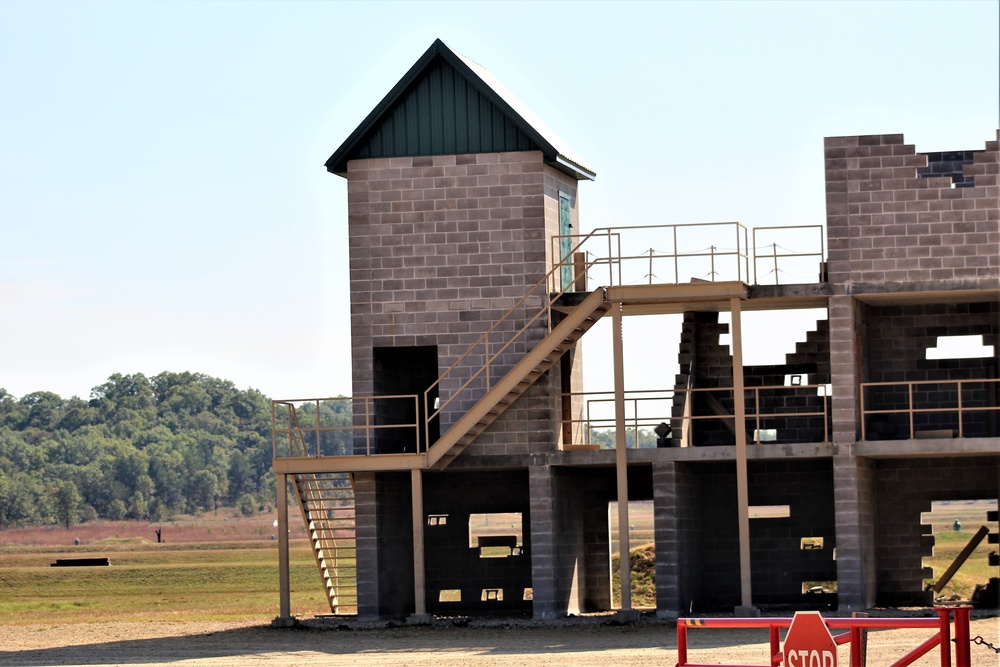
(327, 504)
(525, 373)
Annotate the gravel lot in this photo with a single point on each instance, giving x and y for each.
(332, 642)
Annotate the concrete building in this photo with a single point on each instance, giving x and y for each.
(467, 461)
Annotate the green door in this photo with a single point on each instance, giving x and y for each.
(565, 242)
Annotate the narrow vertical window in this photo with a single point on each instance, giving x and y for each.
(565, 241)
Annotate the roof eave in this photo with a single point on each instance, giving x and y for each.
(571, 168)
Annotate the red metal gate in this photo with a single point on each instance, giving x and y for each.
(854, 628)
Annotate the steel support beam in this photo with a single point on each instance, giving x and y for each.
(419, 589)
(284, 606)
(742, 494)
(621, 462)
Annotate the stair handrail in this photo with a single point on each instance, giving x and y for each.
(435, 411)
(294, 430)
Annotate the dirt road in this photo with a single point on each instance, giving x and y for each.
(577, 644)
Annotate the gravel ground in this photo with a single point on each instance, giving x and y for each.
(333, 642)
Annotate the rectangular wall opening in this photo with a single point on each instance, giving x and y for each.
(403, 371)
(949, 526)
(498, 535)
(642, 553)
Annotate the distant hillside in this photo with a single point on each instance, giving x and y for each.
(141, 448)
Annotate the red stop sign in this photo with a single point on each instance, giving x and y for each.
(809, 642)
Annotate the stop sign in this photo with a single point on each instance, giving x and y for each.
(809, 642)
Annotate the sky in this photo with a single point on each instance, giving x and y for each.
(164, 204)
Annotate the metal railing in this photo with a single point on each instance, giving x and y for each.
(854, 627)
(645, 410)
(780, 256)
(336, 431)
(629, 256)
(674, 254)
(908, 401)
(764, 411)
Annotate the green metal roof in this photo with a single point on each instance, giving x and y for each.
(446, 105)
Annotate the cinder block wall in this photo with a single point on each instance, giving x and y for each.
(677, 516)
(453, 563)
(886, 224)
(384, 545)
(904, 489)
(896, 345)
(779, 565)
(440, 248)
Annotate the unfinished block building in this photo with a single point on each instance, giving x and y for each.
(466, 464)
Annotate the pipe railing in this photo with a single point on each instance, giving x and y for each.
(960, 408)
(855, 627)
(646, 409)
(319, 437)
(760, 252)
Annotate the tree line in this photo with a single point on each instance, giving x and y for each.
(139, 448)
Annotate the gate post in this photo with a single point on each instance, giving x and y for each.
(963, 650)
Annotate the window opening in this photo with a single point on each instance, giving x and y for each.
(565, 241)
(811, 543)
(642, 553)
(952, 524)
(450, 595)
(770, 511)
(497, 535)
(960, 347)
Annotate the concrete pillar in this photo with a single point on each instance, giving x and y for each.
(366, 531)
(285, 617)
(666, 531)
(854, 508)
(541, 488)
(844, 369)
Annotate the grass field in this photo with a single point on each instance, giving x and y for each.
(218, 566)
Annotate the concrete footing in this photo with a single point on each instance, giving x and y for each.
(746, 612)
(284, 622)
(627, 616)
(420, 619)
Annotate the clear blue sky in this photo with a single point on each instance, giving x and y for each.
(163, 200)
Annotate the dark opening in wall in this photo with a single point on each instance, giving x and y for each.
(404, 371)
(949, 163)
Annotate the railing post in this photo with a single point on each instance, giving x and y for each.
(677, 252)
(909, 392)
(775, 636)
(774, 250)
(368, 430)
(650, 266)
(712, 255)
(963, 649)
(960, 430)
(861, 402)
(319, 445)
(944, 628)
(682, 644)
(756, 412)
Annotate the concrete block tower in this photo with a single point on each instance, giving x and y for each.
(454, 191)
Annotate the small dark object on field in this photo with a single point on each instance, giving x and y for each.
(81, 562)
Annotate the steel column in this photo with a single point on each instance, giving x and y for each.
(621, 464)
(739, 413)
(417, 493)
(285, 607)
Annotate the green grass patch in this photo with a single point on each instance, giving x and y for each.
(203, 581)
